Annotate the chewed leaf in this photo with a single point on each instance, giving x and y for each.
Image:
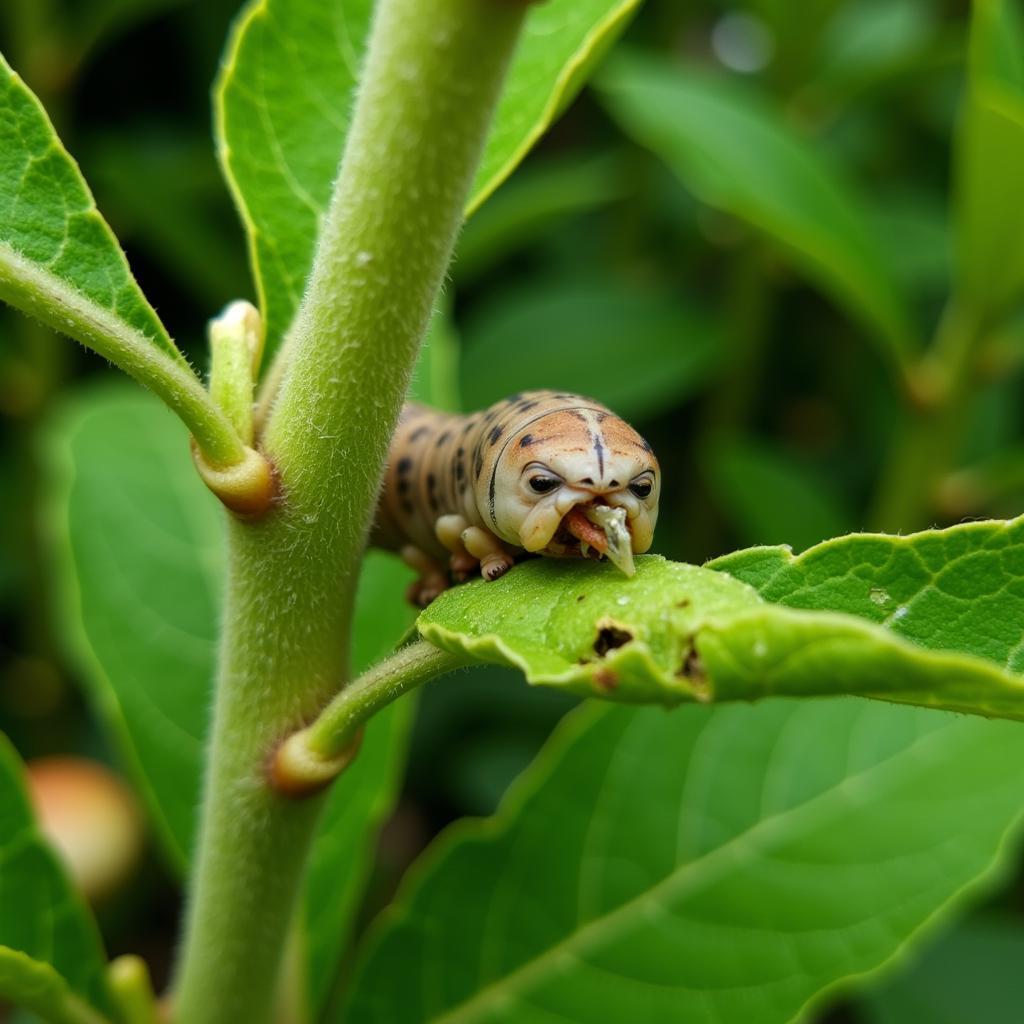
(283, 108)
(587, 628)
(53, 240)
(677, 633)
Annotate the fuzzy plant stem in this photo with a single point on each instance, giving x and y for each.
(410, 667)
(430, 82)
(312, 757)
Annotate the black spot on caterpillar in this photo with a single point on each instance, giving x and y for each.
(444, 519)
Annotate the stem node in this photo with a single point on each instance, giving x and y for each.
(297, 770)
(247, 488)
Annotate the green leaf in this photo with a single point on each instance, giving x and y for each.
(199, 245)
(943, 609)
(60, 263)
(283, 104)
(140, 553)
(140, 549)
(36, 986)
(53, 241)
(989, 158)
(728, 864)
(954, 590)
(588, 629)
(872, 40)
(738, 154)
(567, 335)
(769, 495)
(531, 203)
(970, 975)
(797, 34)
(916, 222)
(51, 959)
(562, 43)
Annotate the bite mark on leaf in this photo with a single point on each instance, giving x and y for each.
(692, 670)
(610, 635)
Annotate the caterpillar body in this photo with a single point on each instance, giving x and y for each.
(541, 472)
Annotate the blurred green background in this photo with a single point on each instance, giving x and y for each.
(745, 237)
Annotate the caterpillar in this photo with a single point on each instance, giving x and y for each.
(540, 472)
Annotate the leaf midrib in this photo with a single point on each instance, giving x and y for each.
(692, 874)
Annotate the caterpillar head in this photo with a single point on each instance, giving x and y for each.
(569, 459)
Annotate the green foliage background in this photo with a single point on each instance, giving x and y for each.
(742, 237)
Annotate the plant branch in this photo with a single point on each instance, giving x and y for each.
(431, 78)
(310, 758)
(34, 290)
(236, 344)
(132, 990)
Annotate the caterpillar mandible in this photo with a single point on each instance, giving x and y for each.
(541, 472)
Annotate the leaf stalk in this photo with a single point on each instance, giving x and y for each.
(312, 757)
(51, 300)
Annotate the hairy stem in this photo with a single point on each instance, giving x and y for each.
(407, 668)
(312, 757)
(431, 78)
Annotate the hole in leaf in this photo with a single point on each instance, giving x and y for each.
(610, 634)
(692, 669)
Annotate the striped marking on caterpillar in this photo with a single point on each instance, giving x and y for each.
(463, 493)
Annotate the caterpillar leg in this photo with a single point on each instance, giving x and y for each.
(432, 578)
(449, 530)
(495, 558)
